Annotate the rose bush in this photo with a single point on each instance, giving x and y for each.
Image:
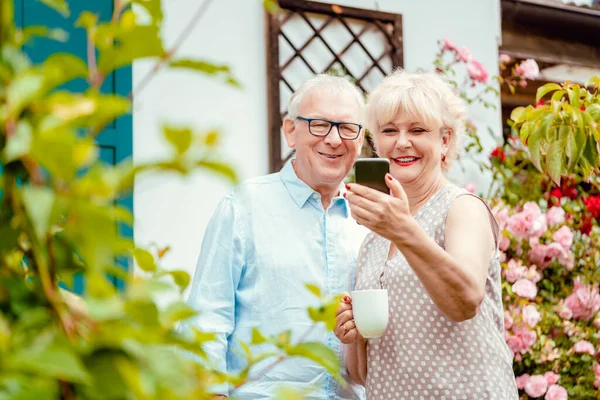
(546, 198)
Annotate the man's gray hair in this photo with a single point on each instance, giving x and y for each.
(341, 86)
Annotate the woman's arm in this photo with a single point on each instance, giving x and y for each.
(356, 360)
(454, 277)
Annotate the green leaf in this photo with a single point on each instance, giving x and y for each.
(574, 95)
(534, 146)
(143, 311)
(60, 6)
(142, 41)
(554, 161)
(22, 91)
(145, 260)
(54, 360)
(106, 376)
(38, 202)
(317, 352)
(258, 337)
(8, 236)
(19, 143)
(575, 146)
(221, 71)
(87, 20)
(181, 279)
(91, 111)
(594, 111)
(179, 138)
(31, 32)
(518, 114)
(557, 96)
(525, 132)
(54, 151)
(175, 312)
(314, 289)
(543, 90)
(271, 6)
(589, 160)
(105, 309)
(325, 313)
(153, 7)
(219, 168)
(545, 128)
(61, 68)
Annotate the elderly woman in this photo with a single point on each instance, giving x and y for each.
(433, 246)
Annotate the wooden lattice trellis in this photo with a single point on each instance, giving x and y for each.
(313, 37)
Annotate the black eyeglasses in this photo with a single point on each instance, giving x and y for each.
(322, 127)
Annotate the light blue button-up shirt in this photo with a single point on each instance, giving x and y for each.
(266, 239)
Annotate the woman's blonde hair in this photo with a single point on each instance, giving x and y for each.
(426, 97)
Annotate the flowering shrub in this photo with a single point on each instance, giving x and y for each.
(550, 253)
(546, 198)
(551, 300)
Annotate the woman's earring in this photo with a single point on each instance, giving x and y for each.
(443, 157)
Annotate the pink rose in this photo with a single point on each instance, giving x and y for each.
(555, 216)
(505, 58)
(536, 386)
(504, 243)
(522, 381)
(565, 312)
(556, 392)
(564, 236)
(551, 377)
(537, 255)
(583, 346)
(554, 250)
(477, 71)
(567, 260)
(533, 275)
(448, 45)
(518, 225)
(522, 340)
(471, 187)
(531, 316)
(525, 288)
(584, 302)
(514, 271)
(464, 54)
(528, 69)
(539, 226)
(529, 222)
(508, 321)
(501, 216)
(531, 208)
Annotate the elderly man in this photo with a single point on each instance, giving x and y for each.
(273, 234)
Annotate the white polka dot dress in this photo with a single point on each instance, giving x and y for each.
(423, 354)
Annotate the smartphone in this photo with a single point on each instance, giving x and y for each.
(371, 172)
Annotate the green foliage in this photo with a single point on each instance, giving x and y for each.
(59, 219)
(562, 134)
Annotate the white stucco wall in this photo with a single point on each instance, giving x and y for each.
(175, 211)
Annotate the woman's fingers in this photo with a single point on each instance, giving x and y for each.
(344, 317)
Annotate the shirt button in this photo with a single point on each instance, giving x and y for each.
(315, 196)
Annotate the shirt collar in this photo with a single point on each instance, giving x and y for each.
(301, 192)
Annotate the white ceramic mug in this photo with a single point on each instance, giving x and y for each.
(371, 311)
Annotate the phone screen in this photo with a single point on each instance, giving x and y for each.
(371, 172)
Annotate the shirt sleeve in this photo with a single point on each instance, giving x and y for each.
(215, 282)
